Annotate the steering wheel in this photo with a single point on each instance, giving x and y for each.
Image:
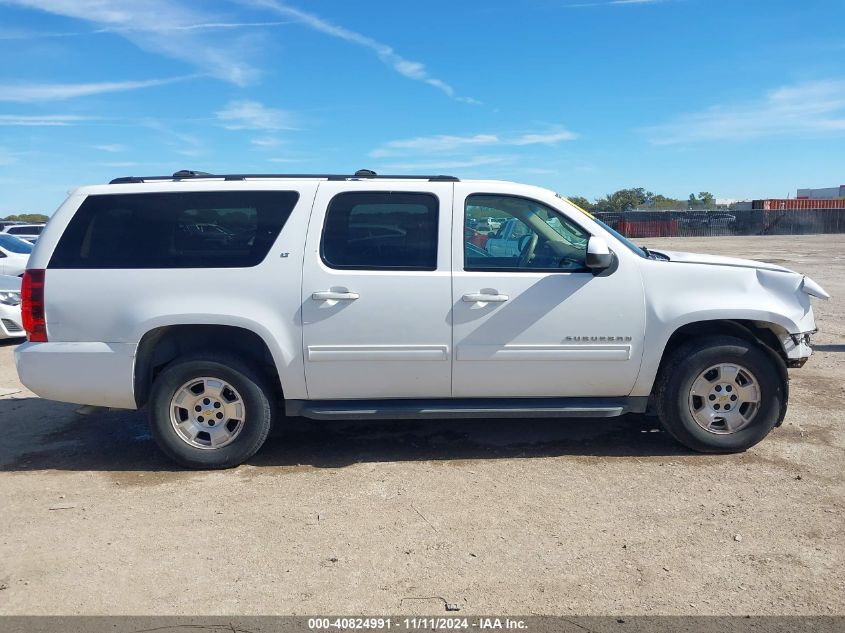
(527, 245)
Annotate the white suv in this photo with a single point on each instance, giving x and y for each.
(366, 297)
(28, 232)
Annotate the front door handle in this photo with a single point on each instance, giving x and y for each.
(328, 295)
(480, 297)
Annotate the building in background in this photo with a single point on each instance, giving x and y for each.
(827, 193)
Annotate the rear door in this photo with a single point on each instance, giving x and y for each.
(376, 291)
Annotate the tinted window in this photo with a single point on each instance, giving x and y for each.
(14, 244)
(512, 233)
(219, 229)
(381, 231)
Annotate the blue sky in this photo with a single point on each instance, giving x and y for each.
(744, 98)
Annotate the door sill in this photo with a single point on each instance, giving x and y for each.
(401, 409)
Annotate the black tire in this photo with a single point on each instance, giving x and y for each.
(253, 388)
(683, 367)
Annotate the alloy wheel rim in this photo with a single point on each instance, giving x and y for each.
(724, 398)
(207, 413)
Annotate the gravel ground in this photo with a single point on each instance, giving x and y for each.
(520, 516)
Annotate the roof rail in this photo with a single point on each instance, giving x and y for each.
(187, 174)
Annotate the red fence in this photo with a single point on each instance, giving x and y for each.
(746, 222)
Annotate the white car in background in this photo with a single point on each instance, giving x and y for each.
(28, 232)
(10, 308)
(14, 254)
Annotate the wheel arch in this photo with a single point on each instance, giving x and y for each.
(161, 345)
(765, 335)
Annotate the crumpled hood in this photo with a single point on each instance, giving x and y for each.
(718, 260)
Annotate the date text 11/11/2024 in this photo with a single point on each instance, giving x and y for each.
(417, 623)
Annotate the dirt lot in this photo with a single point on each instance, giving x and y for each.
(566, 517)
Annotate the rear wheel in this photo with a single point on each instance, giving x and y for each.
(210, 411)
(719, 394)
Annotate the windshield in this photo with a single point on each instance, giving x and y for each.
(628, 243)
(631, 246)
(14, 245)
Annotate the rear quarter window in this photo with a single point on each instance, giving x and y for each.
(219, 229)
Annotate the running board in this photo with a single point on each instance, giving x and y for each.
(465, 408)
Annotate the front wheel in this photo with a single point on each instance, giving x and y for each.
(719, 394)
(210, 411)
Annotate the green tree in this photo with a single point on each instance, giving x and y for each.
(707, 199)
(622, 200)
(662, 202)
(582, 202)
(693, 201)
(34, 218)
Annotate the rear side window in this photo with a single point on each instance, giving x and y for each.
(217, 229)
(25, 230)
(381, 230)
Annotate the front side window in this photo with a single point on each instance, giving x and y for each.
(381, 230)
(208, 229)
(511, 233)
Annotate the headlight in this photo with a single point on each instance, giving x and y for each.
(10, 298)
(813, 289)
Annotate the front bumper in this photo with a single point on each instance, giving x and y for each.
(10, 322)
(797, 347)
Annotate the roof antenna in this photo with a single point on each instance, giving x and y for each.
(188, 173)
(365, 173)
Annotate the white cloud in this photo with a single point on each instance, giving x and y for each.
(122, 164)
(207, 26)
(406, 67)
(441, 143)
(29, 93)
(610, 3)
(446, 144)
(808, 109)
(267, 142)
(182, 143)
(49, 120)
(167, 27)
(251, 115)
(20, 34)
(469, 100)
(436, 165)
(112, 148)
(545, 138)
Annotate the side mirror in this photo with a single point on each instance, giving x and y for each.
(599, 255)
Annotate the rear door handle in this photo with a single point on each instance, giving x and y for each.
(328, 295)
(484, 298)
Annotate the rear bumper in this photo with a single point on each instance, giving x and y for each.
(99, 374)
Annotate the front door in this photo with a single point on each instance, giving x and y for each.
(376, 291)
(530, 320)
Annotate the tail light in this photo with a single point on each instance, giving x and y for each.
(32, 305)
